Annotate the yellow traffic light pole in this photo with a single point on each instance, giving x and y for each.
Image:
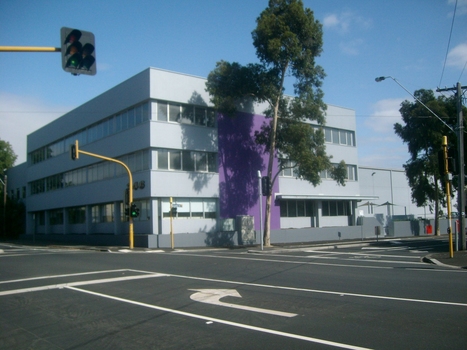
(448, 192)
(130, 189)
(29, 49)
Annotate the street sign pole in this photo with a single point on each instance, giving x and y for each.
(171, 226)
(260, 195)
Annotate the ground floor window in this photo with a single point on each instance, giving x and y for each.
(77, 215)
(194, 208)
(56, 217)
(292, 208)
(102, 213)
(336, 208)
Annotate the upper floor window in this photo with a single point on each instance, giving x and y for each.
(184, 114)
(339, 136)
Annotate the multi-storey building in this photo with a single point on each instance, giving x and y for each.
(162, 126)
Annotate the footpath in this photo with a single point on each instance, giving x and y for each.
(459, 260)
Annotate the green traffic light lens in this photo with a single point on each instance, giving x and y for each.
(74, 61)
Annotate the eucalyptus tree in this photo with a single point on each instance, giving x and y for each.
(423, 134)
(287, 39)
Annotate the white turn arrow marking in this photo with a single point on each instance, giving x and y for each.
(213, 296)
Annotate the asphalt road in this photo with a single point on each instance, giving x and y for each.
(374, 297)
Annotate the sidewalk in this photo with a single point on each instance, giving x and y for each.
(459, 260)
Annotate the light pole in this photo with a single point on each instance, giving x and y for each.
(460, 146)
(416, 99)
(4, 204)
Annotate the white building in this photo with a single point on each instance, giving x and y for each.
(160, 124)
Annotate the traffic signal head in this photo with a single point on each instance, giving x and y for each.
(134, 210)
(78, 51)
(74, 151)
(266, 186)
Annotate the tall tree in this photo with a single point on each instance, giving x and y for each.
(423, 132)
(287, 39)
(7, 156)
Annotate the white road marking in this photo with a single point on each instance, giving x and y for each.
(80, 283)
(65, 275)
(220, 321)
(319, 291)
(213, 296)
(430, 268)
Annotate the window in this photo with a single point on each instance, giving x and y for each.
(288, 168)
(335, 208)
(175, 160)
(95, 212)
(296, 208)
(335, 136)
(201, 161)
(191, 208)
(162, 111)
(104, 128)
(162, 159)
(352, 172)
(212, 163)
(107, 212)
(56, 217)
(200, 116)
(339, 136)
(131, 118)
(188, 116)
(174, 113)
(343, 137)
(77, 215)
(184, 160)
(188, 161)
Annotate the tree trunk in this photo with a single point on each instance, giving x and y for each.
(272, 151)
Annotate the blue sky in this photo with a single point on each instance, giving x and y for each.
(363, 39)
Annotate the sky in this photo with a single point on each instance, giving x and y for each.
(421, 43)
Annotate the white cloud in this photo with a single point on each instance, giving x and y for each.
(386, 114)
(345, 24)
(457, 57)
(346, 21)
(330, 21)
(22, 115)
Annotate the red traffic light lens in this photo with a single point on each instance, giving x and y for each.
(75, 35)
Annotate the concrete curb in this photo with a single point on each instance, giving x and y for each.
(433, 261)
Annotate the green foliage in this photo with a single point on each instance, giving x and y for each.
(287, 40)
(423, 134)
(7, 156)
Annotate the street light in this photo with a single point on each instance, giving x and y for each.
(441, 120)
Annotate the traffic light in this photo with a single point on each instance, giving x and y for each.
(452, 160)
(266, 186)
(441, 164)
(78, 51)
(74, 151)
(174, 211)
(134, 210)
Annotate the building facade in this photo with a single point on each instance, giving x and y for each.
(162, 126)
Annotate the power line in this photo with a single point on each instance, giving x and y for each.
(449, 43)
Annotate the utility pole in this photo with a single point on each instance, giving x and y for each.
(460, 146)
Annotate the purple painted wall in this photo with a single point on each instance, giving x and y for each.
(240, 158)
